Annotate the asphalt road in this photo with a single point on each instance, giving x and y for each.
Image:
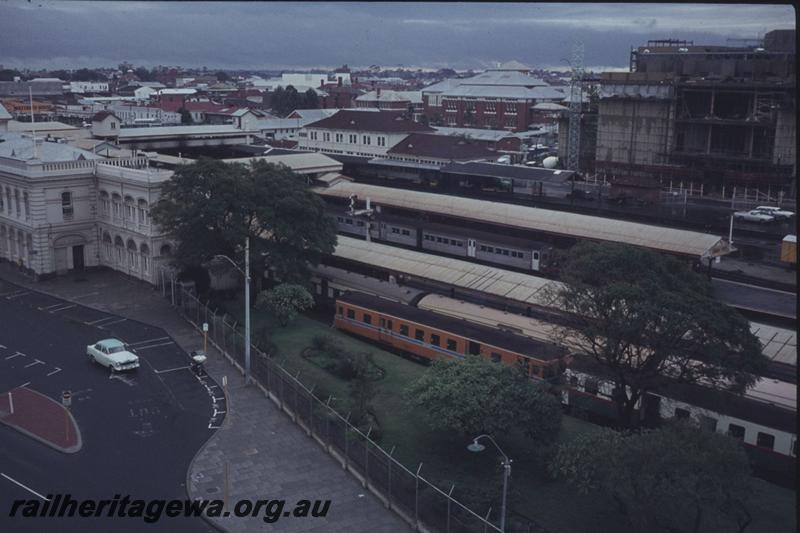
(758, 299)
(140, 429)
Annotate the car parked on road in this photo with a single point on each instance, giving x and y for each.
(777, 212)
(753, 215)
(114, 354)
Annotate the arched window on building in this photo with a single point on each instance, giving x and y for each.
(116, 205)
(3, 241)
(108, 248)
(105, 204)
(144, 212)
(133, 255)
(165, 250)
(145, 252)
(130, 209)
(119, 245)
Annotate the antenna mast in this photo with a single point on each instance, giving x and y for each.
(33, 123)
(575, 106)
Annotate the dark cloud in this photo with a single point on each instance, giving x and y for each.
(280, 35)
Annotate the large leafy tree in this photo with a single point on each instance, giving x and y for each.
(285, 301)
(677, 478)
(648, 320)
(479, 396)
(210, 207)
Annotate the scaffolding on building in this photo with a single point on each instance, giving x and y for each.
(575, 108)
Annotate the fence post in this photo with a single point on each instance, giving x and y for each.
(733, 198)
(389, 490)
(172, 289)
(296, 382)
(328, 425)
(449, 499)
(346, 442)
(224, 336)
(723, 192)
(486, 520)
(416, 497)
(214, 325)
(366, 458)
(310, 408)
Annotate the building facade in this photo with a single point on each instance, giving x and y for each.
(718, 115)
(64, 210)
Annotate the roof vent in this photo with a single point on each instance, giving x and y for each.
(352, 122)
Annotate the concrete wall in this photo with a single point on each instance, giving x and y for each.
(634, 131)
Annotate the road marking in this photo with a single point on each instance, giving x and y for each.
(24, 384)
(93, 322)
(16, 355)
(85, 295)
(3, 346)
(154, 346)
(12, 480)
(56, 371)
(36, 362)
(45, 308)
(15, 295)
(128, 381)
(171, 369)
(148, 341)
(9, 294)
(58, 310)
(114, 322)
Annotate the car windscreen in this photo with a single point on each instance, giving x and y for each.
(116, 349)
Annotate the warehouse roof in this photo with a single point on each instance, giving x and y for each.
(530, 290)
(779, 344)
(542, 220)
(379, 121)
(179, 131)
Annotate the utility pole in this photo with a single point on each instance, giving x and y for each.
(575, 108)
(247, 311)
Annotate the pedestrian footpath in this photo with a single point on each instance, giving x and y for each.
(258, 453)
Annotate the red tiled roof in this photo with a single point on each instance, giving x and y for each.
(382, 121)
(442, 147)
(101, 115)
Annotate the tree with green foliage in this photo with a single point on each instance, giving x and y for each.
(285, 301)
(8, 74)
(677, 478)
(85, 74)
(648, 320)
(311, 100)
(210, 207)
(222, 76)
(476, 396)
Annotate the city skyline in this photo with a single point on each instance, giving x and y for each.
(253, 36)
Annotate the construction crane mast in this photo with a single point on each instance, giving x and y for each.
(575, 107)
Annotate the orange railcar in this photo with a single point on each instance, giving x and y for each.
(431, 336)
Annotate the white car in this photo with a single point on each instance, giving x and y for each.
(776, 212)
(753, 216)
(114, 354)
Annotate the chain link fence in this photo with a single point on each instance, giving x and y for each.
(423, 505)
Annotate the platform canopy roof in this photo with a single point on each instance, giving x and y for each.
(577, 226)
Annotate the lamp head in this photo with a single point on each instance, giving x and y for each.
(475, 446)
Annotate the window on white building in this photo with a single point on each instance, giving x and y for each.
(366, 139)
(105, 204)
(130, 209)
(144, 213)
(116, 204)
(27, 204)
(133, 255)
(108, 247)
(8, 201)
(145, 253)
(326, 136)
(67, 209)
(353, 139)
(339, 137)
(119, 246)
(2, 201)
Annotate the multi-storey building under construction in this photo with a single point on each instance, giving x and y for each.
(718, 115)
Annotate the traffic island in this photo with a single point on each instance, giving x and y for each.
(41, 418)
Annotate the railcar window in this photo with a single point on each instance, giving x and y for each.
(496, 357)
(351, 314)
(404, 330)
(708, 423)
(765, 440)
(681, 413)
(735, 431)
(367, 319)
(435, 339)
(406, 232)
(395, 230)
(451, 345)
(474, 348)
(388, 324)
(590, 386)
(341, 310)
(419, 334)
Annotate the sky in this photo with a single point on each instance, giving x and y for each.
(295, 35)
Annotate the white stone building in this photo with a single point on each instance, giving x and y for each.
(65, 209)
(358, 132)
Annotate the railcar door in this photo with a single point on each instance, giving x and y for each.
(535, 260)
(471, 247)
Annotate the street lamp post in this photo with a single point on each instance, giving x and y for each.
(246, 274)
(475, 446)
